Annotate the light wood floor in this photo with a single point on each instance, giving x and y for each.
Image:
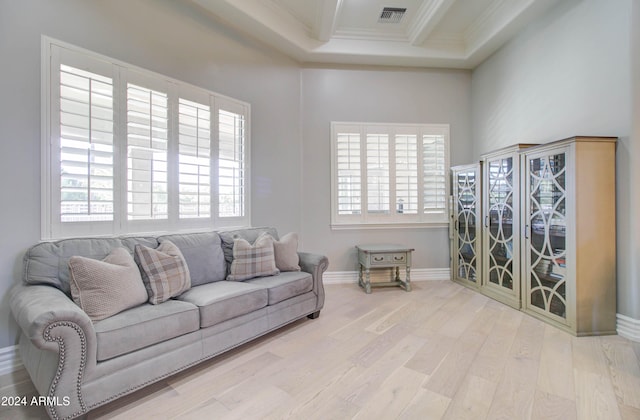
(439, 352)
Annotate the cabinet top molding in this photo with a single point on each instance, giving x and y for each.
(569, 140)
(512, 148)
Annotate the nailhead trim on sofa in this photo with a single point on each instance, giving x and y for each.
(61, 363)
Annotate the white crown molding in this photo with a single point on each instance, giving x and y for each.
(370, 35)
(322, 42)
(499, 23)
(327, 19)
(429, 16)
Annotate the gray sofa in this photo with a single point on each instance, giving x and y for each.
(82, 364)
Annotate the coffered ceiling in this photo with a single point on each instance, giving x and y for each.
(422, 33)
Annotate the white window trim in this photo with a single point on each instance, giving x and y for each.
(393, 220)
(52, 228)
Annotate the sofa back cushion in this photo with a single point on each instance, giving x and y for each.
(48, 262)
(203, 254)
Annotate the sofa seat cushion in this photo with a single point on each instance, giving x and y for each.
(224, 300)
(144, 326)
(285, 285)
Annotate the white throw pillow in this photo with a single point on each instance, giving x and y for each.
(286, 252)
(104, 288)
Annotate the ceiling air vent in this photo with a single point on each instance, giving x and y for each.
(392, 14)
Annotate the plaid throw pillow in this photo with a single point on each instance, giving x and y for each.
(255, 260)
(164, 272)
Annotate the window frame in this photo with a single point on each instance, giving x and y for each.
(393, 219)
(54, 53)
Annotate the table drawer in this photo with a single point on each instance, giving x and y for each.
(399, 258)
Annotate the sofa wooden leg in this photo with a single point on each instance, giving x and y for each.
(314, 315)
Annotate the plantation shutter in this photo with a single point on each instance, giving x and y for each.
(125, 150)
(434, 173)
(86, 146)
(231, 158)
(194, 159)
(147, 141)
(406, 174)
(388, 174)
(348, 168)
(377, 173)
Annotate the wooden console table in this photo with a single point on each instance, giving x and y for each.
(384, 256)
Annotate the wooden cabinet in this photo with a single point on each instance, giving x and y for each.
(569, 253)
(501, 204)
(539, 232)
(466, 222)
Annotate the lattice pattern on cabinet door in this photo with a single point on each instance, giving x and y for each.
(466, 209)
(547, 269)
(501, 222)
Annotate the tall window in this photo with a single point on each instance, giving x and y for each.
(389, 174)
(127, 150)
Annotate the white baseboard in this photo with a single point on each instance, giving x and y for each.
(417, 274)
(628, 327)
(9, 360)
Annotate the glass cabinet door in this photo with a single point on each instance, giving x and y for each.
(499, 223)
(546, 203)
(466, 185)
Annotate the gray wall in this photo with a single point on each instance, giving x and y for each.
(570, 74)
(375, 95)
(629, 158)
(160, 35)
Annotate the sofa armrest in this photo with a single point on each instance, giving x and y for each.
(56, 326)
(315, 264)
(37, 307)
